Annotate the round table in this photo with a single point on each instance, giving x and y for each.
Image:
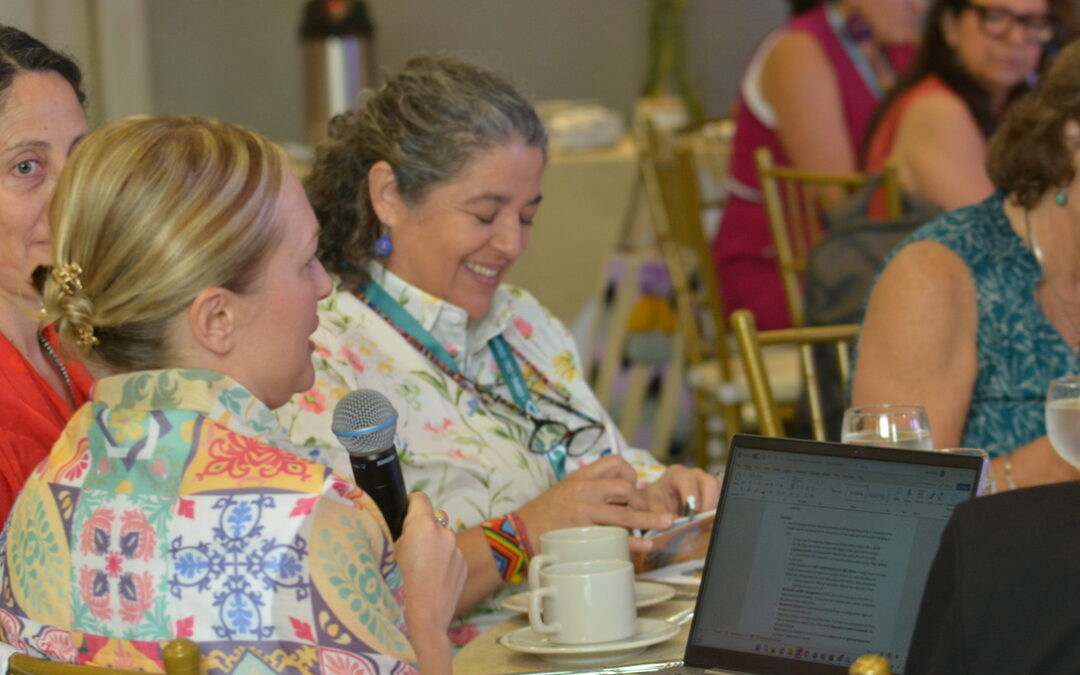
(484, 655)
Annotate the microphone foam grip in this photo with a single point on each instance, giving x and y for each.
(364, 421)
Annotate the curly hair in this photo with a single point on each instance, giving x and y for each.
(427, 122)
(1028, 155)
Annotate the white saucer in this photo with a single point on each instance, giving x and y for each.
(648, 632)
(646, 594)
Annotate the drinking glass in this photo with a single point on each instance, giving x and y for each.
(1063, 417)
(899, 426)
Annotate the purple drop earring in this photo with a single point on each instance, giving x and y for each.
(383, 246)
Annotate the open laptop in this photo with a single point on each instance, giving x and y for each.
(819, 554)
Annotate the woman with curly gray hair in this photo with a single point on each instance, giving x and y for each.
(426, 197)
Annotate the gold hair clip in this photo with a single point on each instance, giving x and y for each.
(84, 335)
(68, 278)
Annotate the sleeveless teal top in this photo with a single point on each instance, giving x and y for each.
(1019, 350)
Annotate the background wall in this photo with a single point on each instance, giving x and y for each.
(239, 60)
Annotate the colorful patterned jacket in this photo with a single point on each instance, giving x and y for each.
(172, 506)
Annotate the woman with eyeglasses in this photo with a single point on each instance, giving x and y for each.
(976, 56)
(978, 310)
(426, 196)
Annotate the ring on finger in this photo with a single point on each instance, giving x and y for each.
(441, 518)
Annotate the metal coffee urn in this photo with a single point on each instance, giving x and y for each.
(337, 38)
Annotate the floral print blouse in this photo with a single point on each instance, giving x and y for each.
(173, 506)
(468, 454)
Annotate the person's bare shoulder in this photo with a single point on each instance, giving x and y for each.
(795, 57)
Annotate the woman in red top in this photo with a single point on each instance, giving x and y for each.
(975, 58)
(41, 120)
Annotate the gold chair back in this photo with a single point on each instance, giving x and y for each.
(794, 203)
(181, 657)
(670, 176)
(751, 341)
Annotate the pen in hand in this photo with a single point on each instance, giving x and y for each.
(690, 508)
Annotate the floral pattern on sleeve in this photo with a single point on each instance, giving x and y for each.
(471, 458)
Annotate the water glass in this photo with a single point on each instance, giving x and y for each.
(1063, 417)
(898, 426)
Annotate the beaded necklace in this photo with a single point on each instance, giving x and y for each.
(47, 348)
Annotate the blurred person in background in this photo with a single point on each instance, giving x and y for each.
(807, 95)
(977, 311)
(976, 56)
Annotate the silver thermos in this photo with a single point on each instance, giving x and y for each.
(337, 37)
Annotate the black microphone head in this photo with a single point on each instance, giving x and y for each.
(364, 422)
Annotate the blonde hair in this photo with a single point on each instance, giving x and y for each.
(148, 212)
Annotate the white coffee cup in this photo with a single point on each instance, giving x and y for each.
(597, 542)
(584, 602)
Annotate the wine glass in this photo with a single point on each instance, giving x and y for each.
(899, 426)
(1063, 417)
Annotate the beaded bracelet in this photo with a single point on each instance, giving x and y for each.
(509, 545)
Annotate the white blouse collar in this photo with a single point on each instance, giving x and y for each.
(448, 323)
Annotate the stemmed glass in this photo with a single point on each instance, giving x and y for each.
(1063, 417)
(900, 426)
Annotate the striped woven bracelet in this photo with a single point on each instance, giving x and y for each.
(509, 543)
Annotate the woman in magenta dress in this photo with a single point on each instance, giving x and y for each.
(808, 95)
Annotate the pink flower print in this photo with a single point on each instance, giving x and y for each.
(303, 506)
(323, 352)
(185, 627)
(354, 359)
(452, 348)
(114, 564)
(185, 508)
(457, 453)
(524, 327)
(313, 400)
(446, 424)
(302, 629)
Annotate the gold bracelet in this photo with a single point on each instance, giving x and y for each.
(1007, 469)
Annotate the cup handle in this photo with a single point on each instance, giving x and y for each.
(537, 563)
(536, 619)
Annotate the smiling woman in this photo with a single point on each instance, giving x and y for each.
(426, 198)
(41, 120)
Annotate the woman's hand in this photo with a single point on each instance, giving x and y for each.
(602, 493)
(433, 570)
(670, 492)
(1036, 463)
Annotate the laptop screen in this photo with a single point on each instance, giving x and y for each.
(820, 552)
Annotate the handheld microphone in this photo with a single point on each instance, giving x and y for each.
(364, 422)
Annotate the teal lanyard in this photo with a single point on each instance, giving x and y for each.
(519, 390)
(861, 63)
(405, 323)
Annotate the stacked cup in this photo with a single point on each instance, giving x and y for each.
(582, 586)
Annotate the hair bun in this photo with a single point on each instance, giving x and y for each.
(73, 304)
